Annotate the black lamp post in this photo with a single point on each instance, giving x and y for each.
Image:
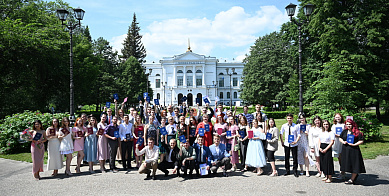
(230, 74)
(308, 9)
(164, 96)
(62, 14)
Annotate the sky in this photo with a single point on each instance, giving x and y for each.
(224, 29)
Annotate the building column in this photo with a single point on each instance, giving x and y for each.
(203, 76)
(174, 76)
(194, 76)
(184, 82)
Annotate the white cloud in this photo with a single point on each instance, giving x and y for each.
(230, 31)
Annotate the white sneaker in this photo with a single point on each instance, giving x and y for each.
(322, 175)
(317, 175)
(307, 174)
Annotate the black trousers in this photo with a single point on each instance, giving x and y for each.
(226, 162)
(287, 157)
(189, 164)
(126, 152)
(243, 152)
(113, 149)
(166, 165)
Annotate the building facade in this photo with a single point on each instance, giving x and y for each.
(194, 76)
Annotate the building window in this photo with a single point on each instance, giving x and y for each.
(199, 80)
(199, 71)
(158, 96)
(221, 95)
(235, 95)
(157, 83)
(221, 82)
(228, 95)
(157, 75)
(180, 71)
(221, 73)
(189, 71)
(234, 81)
(180, 80)
(189, 80)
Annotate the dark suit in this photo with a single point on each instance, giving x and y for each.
(201, 157)
(174, 157)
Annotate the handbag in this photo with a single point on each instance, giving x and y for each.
(237, 146)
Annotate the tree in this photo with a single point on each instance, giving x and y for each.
(133, 80)
(267, 70)
(132, 45)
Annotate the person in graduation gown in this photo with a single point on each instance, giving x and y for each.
(352, 160)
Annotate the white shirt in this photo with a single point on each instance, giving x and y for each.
(125, 129)
(326, 137)
(217, 149)
(171, 131)
(169, 158)
(150, 155)
(294, 130)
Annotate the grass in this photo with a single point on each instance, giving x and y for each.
(26, 157)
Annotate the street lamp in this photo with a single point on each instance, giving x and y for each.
(62, 14)
(164, 96)
(148, 74)
(308, 9)
(230, 74)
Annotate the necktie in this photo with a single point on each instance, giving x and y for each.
(288, 135)
(109, 120)
(201, 154)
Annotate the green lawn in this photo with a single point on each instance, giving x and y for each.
(20, 157)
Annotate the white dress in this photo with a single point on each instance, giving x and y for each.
(55, 159)
(303, 147)
(313, 138)
(66, 146)
(337, 147)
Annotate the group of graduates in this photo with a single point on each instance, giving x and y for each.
(186, 140)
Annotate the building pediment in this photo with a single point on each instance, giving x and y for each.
(188, 56)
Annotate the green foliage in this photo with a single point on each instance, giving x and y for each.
(11, 126)
(133, 45)
(267, 70)
(277, 114)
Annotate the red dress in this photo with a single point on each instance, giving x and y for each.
(207, 135)
(136, 131)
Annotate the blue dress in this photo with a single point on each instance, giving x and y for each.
(90, 147)
(255, 152)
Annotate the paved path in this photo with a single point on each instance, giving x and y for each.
(16, 179)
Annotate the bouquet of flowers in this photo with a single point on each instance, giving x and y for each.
(25, 136)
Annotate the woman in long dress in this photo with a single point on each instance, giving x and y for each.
(255, 151)
(352, 160)
(313, 138)
(233, 141)
(66, 147)
(102, 144)
(337, 147)
(303, 157)
(138, 132)
(243, 137)
(54, 161)
(38, 149)
(78, 134)
(91, 144)
(326, 140)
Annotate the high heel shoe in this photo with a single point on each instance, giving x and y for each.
(274, 174)
(259, 172)
(78, 170)
(68, 173)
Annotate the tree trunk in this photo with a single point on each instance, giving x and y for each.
(377, 110)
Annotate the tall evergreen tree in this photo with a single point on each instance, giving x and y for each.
(133, 45)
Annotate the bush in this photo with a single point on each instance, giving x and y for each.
(368, 124)
(277, 114)
(10, 127)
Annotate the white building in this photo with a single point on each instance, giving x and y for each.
(194, 76)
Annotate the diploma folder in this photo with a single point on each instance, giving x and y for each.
(90, 130)
(201, 132)
(269, 136)
(338, 130)
(228, 133)
(251, 134)
(290, 138)
(37, 136)
(303, 128)
(350, 138)
(182, 139)
(163, 131)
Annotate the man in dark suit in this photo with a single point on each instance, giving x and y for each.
(202, 153)
(172, 156)
(219, 156)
